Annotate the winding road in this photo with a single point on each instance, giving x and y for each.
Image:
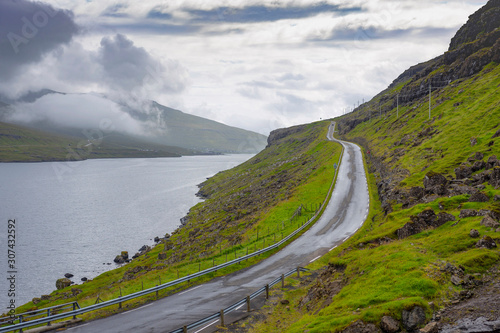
(344, 214)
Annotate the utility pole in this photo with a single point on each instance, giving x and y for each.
(430, 90)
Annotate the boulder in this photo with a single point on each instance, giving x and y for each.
(360, 327)
(479, 197)
(389, 325)
(481, 177)
(68, 275)
(84, 279)
(157, 239)
(433, 179)
(162, 256)
(76, 291)
(442, 218)
(496, 135)
(119, 259)
(124, 255)
(495, 177)
(45, 297)
(474, 233)
(36, 300)
(496, 197)
(463, 172)
(467, 213)
(491, 162)
(478, 165)
(478, 156)
(417, 192)
(63, 283)
(413, 318)
(431, 327)
(456, 280)
(486, 242)
(489, 222)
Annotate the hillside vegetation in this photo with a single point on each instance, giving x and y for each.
(245, 209)
(428, 252)
(23, 144)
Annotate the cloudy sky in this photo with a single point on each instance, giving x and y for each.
(255, 64)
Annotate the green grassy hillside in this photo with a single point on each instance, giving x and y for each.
(22, 144)
(419, 165)
(245, 208)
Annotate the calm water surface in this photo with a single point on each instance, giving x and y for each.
(76, 217)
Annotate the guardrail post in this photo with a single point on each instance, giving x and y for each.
(248, 303)
(157, 293)
(222, 318)
(20, 321)
(267, 291)
(185, 329)
(298, 272)
(74, 308)
(282, 280)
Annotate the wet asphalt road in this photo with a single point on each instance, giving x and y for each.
(345, 213)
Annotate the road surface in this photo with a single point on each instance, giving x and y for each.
(344, 214)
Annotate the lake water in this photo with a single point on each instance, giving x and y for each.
(75, 217)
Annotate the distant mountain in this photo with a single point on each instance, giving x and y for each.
(160, 125)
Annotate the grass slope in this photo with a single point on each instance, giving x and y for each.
(247, 208)
(22, 144)
(384, 275)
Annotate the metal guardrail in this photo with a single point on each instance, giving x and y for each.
(157, 288)
(235, 306)
(50, 311)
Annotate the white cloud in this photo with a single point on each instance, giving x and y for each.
(232, 64)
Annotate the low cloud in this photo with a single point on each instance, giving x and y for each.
(30, 30)
(82, 111)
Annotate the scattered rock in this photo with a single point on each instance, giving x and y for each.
(496, 135)
(463, 172)
(360, 327)
(45, 297)
(417, 192)
(456, 280)
(36, 300)
(389, 324)
(467, 213)
(63, 283)
(119, 259)
(162, 256)
(486, 242)
(492, 162)
(496, 197)
(479, 197)
(431, 327)
(157, 239)
(84, 279)
(285, 302)
(68, 275)
(124, 255)
(473, 142)
(413, 318)
(444, 217)
(478, 165)
(474, 233)
(433, 179)
(489, 222)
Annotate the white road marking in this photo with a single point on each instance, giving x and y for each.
(145, 306)
(315, 258)
(201, 329)
(332, 248)
(189, 290)
(345, 238)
